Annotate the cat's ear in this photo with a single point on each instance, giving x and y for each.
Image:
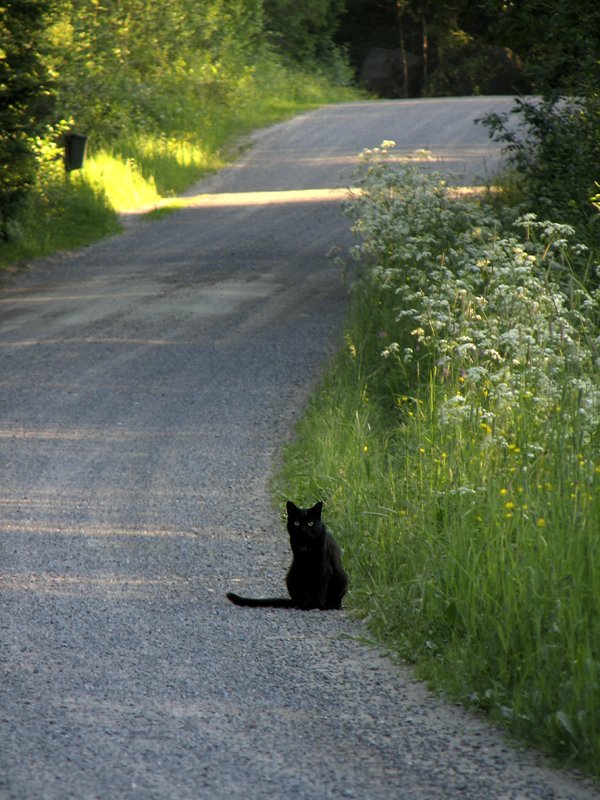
(317, 509)
(292, 509)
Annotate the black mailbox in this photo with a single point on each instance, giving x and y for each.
(75, 145)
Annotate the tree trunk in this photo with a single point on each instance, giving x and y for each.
(425, 55)
(399, 4)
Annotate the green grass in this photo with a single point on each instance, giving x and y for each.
(144, 169)
(146, 165)
(455, 443)
(60, 215)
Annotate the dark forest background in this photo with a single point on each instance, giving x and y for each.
(415, 48)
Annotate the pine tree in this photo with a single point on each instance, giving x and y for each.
(25, 100)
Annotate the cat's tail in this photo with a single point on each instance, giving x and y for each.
(270, 602)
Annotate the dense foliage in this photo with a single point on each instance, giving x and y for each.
(558, 40)
(304, 31)
(461, 47)
(24, 99)
(119, 64)
(554, 148)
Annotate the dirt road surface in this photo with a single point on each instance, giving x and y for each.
(146, 384)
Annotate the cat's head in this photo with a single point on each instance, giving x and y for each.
(304, 524)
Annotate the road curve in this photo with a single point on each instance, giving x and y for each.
(146, 384)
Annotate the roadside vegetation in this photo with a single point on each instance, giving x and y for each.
(455, 442)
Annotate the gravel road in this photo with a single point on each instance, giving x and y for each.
(146, 385)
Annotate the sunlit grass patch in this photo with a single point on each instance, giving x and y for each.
(121, 180)
(143, 170)
(166, 165)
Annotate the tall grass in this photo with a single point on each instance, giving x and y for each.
(455, 442)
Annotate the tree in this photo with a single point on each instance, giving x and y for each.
(117, 59)
(304, 31)
(25, 100)
(559, 40)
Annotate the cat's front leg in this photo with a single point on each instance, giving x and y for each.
(323, 589)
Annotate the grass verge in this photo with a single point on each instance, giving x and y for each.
(455, 442)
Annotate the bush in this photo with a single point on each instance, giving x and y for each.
(555, 149)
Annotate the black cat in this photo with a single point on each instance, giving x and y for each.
(316, 578)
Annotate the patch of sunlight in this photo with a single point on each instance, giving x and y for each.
(224, 199)
(121, 181)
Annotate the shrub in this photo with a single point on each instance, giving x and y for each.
(555, 149)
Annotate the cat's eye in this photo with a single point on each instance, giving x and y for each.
(310, 524)
(297, 523)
